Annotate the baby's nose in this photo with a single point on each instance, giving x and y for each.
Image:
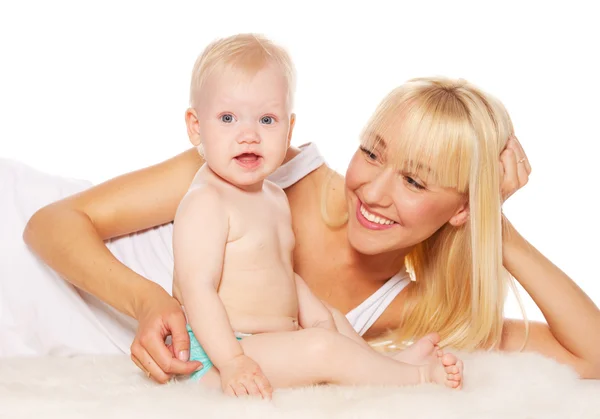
(248, 135)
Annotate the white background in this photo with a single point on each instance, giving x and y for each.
(94, 89)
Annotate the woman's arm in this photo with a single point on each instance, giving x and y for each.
(68, 235)
(572, 335)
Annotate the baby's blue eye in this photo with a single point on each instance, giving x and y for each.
(227, 118)
(267, 120)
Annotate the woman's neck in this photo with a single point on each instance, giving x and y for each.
(382, 266)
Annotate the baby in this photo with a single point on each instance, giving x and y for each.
(254, 323)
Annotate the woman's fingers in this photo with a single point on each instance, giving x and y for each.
(523, 167)
(139, 365)
(154, 345)
(149, 343)
(522, 174)
(520, 152)
(515, 168)
(180, 338)
(146, 363)
(510, 176)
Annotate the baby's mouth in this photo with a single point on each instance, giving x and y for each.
(248, 158)
(249, 161)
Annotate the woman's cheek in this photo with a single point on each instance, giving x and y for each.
(415, 210)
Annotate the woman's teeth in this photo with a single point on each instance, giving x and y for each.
(375, 218)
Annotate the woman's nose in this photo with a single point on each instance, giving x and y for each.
(377, 192)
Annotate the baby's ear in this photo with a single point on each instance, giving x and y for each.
(461, 216)
(292, 124)
(193, 126)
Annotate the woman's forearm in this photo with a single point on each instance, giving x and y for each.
(67, 241)
(573, 318)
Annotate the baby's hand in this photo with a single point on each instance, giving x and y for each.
(242, 376)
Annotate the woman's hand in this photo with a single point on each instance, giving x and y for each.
(515, 168)
(161, 316)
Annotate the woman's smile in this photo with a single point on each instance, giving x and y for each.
(371, 220)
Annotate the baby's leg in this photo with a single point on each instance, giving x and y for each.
(421, 352)
(313, 356)
(345, 328)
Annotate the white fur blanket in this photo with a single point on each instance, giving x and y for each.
(496, 386)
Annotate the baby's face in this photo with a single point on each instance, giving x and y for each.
(244, 124)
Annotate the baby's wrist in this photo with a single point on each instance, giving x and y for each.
(231, 361)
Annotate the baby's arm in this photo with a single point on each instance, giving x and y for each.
(311, 311)
(316, 313)
(199, 238)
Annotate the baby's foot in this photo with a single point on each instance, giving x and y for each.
(447, 370)
(424, 351)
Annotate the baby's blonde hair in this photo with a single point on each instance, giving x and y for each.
(246, 53)
(459, 132)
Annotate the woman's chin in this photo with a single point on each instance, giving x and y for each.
(366, 245)
(370, 243)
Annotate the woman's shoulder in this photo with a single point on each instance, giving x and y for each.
(323, 187)
(299, 163)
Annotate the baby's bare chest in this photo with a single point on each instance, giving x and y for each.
(257, 270)
(259, 232)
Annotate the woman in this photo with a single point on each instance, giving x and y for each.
(422, 194)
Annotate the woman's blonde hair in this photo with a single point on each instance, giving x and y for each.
(458, 132)
(245, 53)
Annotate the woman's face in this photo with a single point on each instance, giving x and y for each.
(392, 209)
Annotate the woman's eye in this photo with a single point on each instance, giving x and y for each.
(369, 153)
(413, 183)
(227, 118)
(267, 120)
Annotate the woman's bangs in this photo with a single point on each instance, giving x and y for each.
(426, 136)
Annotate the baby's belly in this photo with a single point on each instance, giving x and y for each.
(259, 323)
(258, 301)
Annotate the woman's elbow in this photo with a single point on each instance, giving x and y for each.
(34, 225)
(40, 224)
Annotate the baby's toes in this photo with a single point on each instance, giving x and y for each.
(449, 359)
(454, 377)
(451, 369)
(451, 382)
(459, 376)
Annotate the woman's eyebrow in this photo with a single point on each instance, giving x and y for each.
(380, 141)
(416, 168)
